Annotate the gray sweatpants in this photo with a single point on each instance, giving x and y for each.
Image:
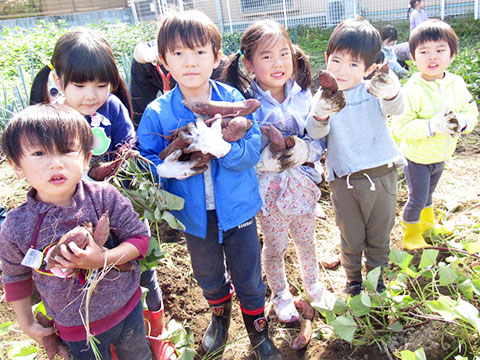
(365, 216)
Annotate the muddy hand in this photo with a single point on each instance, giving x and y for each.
(384, 84)
(171, 167)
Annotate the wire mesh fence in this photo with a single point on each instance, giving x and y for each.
(236, 15)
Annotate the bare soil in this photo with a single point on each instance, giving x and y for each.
(458, 188)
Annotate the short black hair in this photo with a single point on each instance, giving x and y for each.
(192, 28)
(357, 37)
(389, 32)
(53, 127)
(433, 30)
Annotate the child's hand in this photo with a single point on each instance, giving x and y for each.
(37, 332)
(74, 257)
(208, 140)
(282, 160)
(172, 168)
(384, 84)
(296, 155)
(445, 122)
(327, 103)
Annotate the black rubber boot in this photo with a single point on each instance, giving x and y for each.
(263, 347)
(216, 335)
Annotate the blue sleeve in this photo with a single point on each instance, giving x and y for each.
(245, 152)
(149, 137)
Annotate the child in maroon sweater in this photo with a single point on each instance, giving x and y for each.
(50, 146)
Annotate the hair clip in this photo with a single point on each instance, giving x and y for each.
(240, 53)
(50, 65)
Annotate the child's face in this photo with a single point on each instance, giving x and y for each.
(85, 97)
(192, 68)
(432, 59)
(349, 71)
(272, 65)
(54, 175)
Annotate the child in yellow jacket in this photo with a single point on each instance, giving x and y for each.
(438, 109)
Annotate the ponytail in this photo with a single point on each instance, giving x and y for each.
(39, 90)
(233, 76)
(303, 72)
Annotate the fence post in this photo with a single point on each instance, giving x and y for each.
(218, 5)
(229, 16)
(285, 14)
(475, 15)
(442, 9)
(180, 5)
(134, 11)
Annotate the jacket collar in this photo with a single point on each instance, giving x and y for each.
(291, 89)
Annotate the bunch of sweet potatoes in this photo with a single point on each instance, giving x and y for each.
(276, 141)
(234, 125)
(80, 235)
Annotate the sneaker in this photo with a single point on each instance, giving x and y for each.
(285, 307)
(354, 288)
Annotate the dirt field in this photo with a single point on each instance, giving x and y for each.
(185, 303)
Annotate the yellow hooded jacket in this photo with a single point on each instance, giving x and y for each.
(423, 100)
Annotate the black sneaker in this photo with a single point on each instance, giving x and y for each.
(354, 288)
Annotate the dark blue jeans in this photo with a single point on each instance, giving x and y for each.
(128, 336)
(422, 179)
(239, 253)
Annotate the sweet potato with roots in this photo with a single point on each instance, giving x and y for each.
(103, 170)
(80, 236)
(52, 343)
(232, 130)
(223, 108)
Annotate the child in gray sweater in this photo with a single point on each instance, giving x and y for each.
(361, 156)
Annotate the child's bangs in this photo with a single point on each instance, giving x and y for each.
(93, 66)
(50, 138)
(192, 34)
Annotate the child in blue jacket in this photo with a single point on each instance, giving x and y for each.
(221, 202)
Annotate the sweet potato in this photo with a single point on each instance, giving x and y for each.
(306, 330)
(306, 309)
(327, 81)
(276, 141)
(224, 108)
(232, 130)
(52, 343)
(304, 336)
(103, 170)
(79, 235)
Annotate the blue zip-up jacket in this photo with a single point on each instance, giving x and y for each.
(237, 198)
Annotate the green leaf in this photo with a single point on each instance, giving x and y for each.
(172, 221)
(447, 276)
(472, 247)
(466, 288)
(417, 355)
(476, 287)
(371, 281)
(360, 305)
(20, 351)
(345, 326)
(429, 256)
(400, 258)
(468, 313)
(396, 326)
(4, 327)
(187, 354)
(443, 307)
